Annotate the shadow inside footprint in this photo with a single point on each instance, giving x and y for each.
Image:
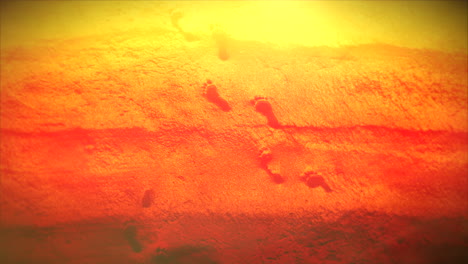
(313, 180)
(222, 41)
(265, 157)
(263, 106)
(130, 234)
(276, 177)
(212, 95)
(148, 198)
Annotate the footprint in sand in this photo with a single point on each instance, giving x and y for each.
(263, 106)
(212, 95)
(148, 198)
(222, 42)
(176, 16)
(314, 180)
(130, 234)
(265, 157)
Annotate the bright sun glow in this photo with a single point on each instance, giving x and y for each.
(416, 24)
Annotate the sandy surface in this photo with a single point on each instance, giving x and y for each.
(166, 145)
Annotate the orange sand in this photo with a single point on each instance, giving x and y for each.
(152, 139)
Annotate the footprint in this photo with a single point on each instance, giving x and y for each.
(190, 36)
(212, 95)
(314, 180)
(276, 177)
(222, 42)
(176, 16)
(130, 234)
(148, 198)
(265, 157)
(263, 106)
